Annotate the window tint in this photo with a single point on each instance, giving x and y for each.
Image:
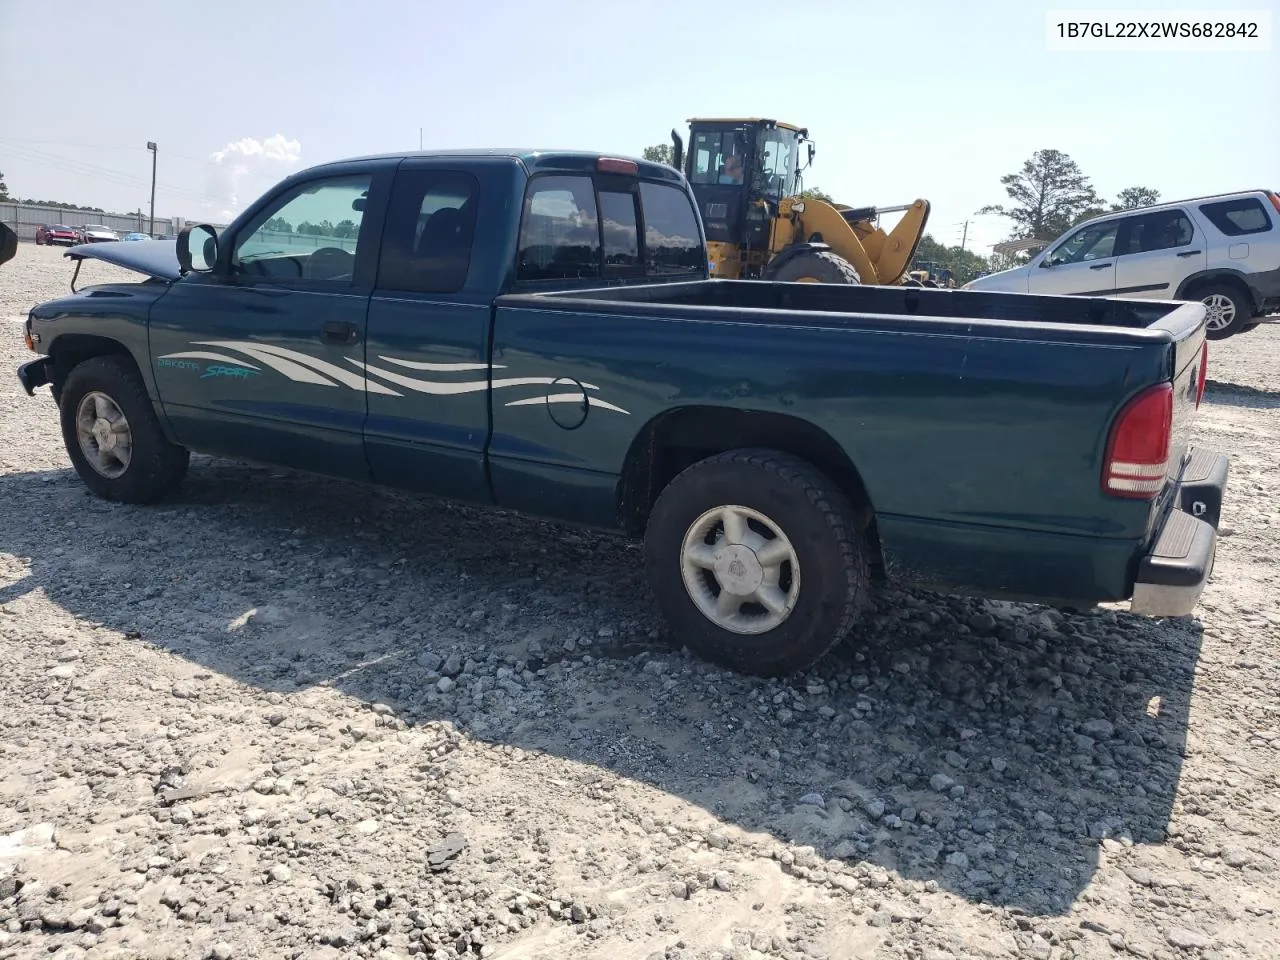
(1159, 231)
(670, 231)
(621, 235)
(1236, 218)
(431, 224)
(559, 231)
(311, 233)
(1087, 243)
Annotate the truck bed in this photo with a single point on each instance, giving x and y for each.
(978, 424)
(895, 307)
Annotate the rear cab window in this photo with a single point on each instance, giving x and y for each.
(605, 226)
(1238, 218)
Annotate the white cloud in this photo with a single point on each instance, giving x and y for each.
(233, 178)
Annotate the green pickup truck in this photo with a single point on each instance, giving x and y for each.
(537, 331)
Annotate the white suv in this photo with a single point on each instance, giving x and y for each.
(1223, 250)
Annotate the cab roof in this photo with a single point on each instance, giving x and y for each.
(776, 123)
(534, 159)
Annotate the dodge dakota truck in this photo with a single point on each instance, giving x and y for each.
(538, 331)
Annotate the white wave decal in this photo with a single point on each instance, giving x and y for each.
(597, 402)
(566, 398)
(440, 367)
(553, 398)
(439, 389)
(301, 367)
(304, 368)
(207, 355)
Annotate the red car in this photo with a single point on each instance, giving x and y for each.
(52, 233)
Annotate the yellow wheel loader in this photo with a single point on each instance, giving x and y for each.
(745, 175)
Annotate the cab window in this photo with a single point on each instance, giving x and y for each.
(431, 224)
(718, 157)
(671, 239)
(559, 230)
(312, 233)
(621, 234)
(778, 163)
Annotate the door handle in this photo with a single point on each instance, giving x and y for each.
(1099, 266)
(1188, 253)
(338, 331)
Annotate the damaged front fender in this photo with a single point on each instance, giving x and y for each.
(35, 373)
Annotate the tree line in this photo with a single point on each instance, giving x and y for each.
(343, 229)
(56, 204)
(1048, 196)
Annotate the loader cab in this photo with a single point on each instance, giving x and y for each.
(738, 214)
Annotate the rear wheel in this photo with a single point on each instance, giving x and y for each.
(113, 436)
(756, 562)
(817, 266)
(1229, 310)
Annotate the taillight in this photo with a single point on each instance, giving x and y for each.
(1275, 201)
(1138, 449)
(1204, 372)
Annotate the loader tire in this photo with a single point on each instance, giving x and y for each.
(817, 266)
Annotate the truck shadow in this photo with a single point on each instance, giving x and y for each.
(988, 748)
(1240, 395)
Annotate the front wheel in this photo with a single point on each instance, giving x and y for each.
(113, 436)
(756, 563)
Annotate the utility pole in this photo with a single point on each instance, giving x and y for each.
(964, 236)
(152, 147)
(419, 138)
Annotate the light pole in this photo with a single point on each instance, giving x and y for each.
(152, 147)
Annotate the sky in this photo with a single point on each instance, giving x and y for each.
(904, 99)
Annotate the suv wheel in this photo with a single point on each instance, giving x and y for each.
(1229, 310)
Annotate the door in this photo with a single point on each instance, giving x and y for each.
(427, 354)
(1083, 264)
(1156, 251)
(261, 358)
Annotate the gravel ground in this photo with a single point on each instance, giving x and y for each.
(247, 724)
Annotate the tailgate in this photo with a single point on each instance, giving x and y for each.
(1149, 446)
(1190, 366)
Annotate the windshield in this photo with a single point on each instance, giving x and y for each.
(779, 151)
(98, 226)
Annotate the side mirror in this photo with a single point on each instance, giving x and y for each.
(197, 249)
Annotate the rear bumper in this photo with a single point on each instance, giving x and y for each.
(1173, 573)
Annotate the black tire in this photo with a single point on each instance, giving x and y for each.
(817, 266)
(1241, 304)
(155, 466)
(815, 518)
